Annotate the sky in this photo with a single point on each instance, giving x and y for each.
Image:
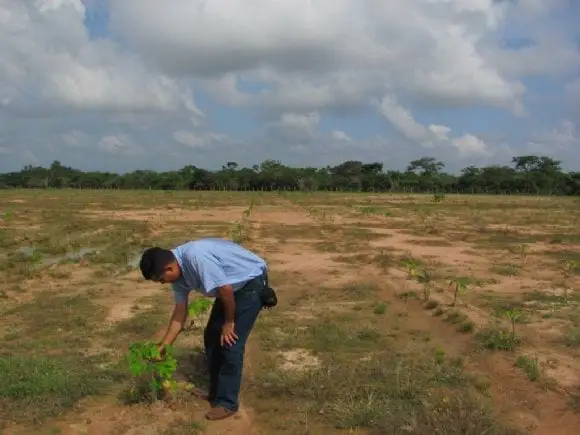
(120, 85)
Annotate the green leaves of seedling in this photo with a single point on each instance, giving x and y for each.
(145, 359)
(198, 307)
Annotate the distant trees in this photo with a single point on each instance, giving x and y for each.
(538, 175)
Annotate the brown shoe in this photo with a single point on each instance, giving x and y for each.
(219, 413)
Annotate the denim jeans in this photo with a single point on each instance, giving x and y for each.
(225, 363)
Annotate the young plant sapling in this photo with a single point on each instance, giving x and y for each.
(461, 284)
(514, 315)
(145, 360)
(197, 308)
(424, 277)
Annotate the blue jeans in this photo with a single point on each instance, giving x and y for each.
(225, 363)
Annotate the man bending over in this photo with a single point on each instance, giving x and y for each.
(237, 278)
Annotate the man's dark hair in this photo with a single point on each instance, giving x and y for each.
(154, 261)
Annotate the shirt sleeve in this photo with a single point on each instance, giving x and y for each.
(180, 293)
(211, 273)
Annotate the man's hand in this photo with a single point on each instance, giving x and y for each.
(228, 336)
(162, 353)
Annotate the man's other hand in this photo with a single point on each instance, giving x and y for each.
(228, 336)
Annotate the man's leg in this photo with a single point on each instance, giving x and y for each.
(248, 306)
(211, 340)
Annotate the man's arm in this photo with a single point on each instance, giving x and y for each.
(226, 295)
(176, 323)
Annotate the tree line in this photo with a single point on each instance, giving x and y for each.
(539, 175)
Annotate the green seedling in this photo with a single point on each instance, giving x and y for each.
(197, 308)
(461, 284)
(569, 267)
(145, 360)
(513, 315)
(411, 266)
(424, 277)
(438, 197)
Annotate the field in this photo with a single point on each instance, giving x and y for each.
(398, 314)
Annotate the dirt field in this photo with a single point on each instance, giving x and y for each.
(366, 338)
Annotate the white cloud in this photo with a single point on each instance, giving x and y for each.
(46, 50)
(199, 140)
(561, 137)
(118, 144)
(76, 139)
(402, 120)
(305, 123)
(440, 131)
(340, 51)
(341, 136)
(469, 145)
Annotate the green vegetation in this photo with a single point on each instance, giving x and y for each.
(36, 387)
(146, 360)
(529, 174)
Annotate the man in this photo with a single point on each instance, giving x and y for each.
(237, 278)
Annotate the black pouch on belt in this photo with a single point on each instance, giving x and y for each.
(269, 298)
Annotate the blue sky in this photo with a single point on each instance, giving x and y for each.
(128, 84)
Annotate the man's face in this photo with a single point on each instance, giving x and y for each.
(170, 274)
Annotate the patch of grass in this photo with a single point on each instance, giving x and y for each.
(380, 308)
(455, 317)
(34, 388)
(54, 321)
(353, 259)
(506, 269)
(496, 338)
(142, 325)
(184, 427)
(572, 338)
(530, 367)
(358, 290)
(550, 298)
(393, 394)
(498, 304)
(384, 259)
(466, 326)
(408, 295)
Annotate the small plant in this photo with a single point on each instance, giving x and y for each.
(514, 315)
(438, 197)
(146, 361)
(461, 284)
(424, 277)
(569, 267)
(380, 308)
(530, 367)
(197, 308)
(466, 326)
(494, 338)
(411, 267)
